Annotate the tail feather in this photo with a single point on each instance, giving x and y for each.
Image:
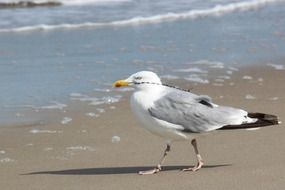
(262, 121)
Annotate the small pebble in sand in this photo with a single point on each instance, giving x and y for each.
(274, 98)
(247, 77)
(91, 114)
(101, 110)
(82, 148)
(36, 131)
(218, 84)
(250, 97)
(112, 107)
(116, 139)
(5, 160)
(48, 149)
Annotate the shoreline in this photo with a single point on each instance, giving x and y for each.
(89, 152)
(96, 103)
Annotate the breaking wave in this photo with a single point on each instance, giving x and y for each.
(85, 2)
(28, 4)
(38, 3)
(216, 11)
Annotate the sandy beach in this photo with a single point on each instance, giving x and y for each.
(63, 126)
(106, 152)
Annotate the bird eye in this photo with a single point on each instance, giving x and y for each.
(138, 78)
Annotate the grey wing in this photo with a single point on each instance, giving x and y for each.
(195, 113)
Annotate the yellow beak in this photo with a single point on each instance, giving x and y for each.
(120, 83)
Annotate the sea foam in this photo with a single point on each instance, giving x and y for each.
(191, 70)
(88, 2)
(38, 131)
(218, 10)
(54, 105)
(197, 79)
(95, 100)
(209, 63)
(66, 120)
(5, 160)
(38, 3)
(81, 148)
(277, 67)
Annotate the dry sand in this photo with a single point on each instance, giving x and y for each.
(81, 154)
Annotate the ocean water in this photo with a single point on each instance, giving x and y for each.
(53, 55)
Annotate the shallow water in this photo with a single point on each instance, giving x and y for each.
(46, 69)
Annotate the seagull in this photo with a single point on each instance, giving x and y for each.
(176, 114)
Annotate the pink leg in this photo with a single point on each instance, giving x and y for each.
(158, 167)
(199, 158)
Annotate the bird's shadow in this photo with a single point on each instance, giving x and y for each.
(114, 170)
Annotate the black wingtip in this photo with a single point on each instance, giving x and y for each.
(263, 120)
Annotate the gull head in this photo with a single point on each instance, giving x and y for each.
(139, 80)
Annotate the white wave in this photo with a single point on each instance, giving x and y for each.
(233, 69)
(196, 78)
(277, 67)
(55, 105)
(211, 64)
(95, 100)
(191, 70)
(28, 3)
(102, 90)
(31, 1)
(170, 77)
(15, 1)
(64, 2)
(87, 2)
(218, 10)
(75, 94)
(66, 120)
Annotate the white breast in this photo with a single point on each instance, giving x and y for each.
(141, 101)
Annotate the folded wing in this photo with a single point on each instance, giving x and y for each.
(195, 113)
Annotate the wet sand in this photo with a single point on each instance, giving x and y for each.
(106, 152)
